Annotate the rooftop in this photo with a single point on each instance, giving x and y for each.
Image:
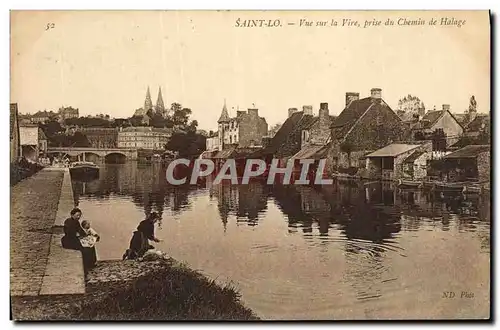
(470, 151)
(393, 150)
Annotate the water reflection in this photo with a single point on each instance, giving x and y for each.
(374, 212)
(331, 245)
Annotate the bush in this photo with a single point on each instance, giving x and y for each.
(21, 170)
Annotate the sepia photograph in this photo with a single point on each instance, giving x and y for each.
(270, 165)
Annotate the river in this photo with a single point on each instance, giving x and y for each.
(345, 251)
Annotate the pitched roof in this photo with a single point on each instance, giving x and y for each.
(393, 150)
(350, 115)
(431, 117)
(311, 152)
(295, 122)
(470, 151)
(413, 157)
(477, 124)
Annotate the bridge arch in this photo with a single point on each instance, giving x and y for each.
(115, 157)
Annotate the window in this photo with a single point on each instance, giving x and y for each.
(230, 139)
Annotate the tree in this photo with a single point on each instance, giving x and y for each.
(410, 104)
(472, 104)
(274, 129)
(188, 144)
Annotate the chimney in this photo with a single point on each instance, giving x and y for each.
(324, 113)
(446, 107)
(291, 111)
(266, 140)
(253, 112)
(307, 109)
(376, 93)
(351, 96)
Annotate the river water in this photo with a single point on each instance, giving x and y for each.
(345, 251)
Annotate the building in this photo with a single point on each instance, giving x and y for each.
(41, 117)
(288, 139)
(363, 126)
(399, 160)
(68, 112)
(101, 137)
(246, 129)
(480, 125)
(315, 135)
(439, 120)
(212, 142)
(143, 138)
(469, 163)
(15, 144)
(33, 142)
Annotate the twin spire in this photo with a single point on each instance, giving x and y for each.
(148, 104)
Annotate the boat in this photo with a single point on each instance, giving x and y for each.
(84, 169)
(402, 184)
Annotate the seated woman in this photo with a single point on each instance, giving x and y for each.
(73, 231)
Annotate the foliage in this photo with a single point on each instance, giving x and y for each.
(472, 104)
(67, 140)
(274, 129)
(410, 103)
(188, 144)
(22, 169)
(87, 122)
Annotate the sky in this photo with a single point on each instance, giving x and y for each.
(103, 61)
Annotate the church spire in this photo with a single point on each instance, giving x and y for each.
(160, 107)
(148, 104)
(224, 116)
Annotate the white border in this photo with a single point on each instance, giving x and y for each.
(146, 4)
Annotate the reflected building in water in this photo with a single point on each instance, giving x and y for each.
(246, 202)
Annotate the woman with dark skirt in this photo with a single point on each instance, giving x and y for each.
(73, 231)
(139, 243)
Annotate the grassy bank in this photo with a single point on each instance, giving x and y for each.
(131, 290)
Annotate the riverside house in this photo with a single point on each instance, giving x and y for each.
(287, 141)
(471, 163)
(399, 161)
(364, 126)
(439, 120)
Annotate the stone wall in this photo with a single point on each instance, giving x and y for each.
(375, 129)
(483, 166)
(251, 128)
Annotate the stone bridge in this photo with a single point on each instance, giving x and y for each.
(81, 153)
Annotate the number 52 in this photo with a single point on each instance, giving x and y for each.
(50, 26)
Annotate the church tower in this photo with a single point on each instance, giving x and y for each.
(148, 105)
(223, 122)
(160, 107)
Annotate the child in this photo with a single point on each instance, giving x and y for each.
(92, 236)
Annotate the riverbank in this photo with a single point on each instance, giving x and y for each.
(133, 290)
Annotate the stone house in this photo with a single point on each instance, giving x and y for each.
(397, 161)
(15, 144)
(471, 163)
(363, 126)
(439, 120)
(481, 124)
(246, 129)
(288, 140)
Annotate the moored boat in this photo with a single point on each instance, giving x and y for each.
(84, 169)
(402, 184)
